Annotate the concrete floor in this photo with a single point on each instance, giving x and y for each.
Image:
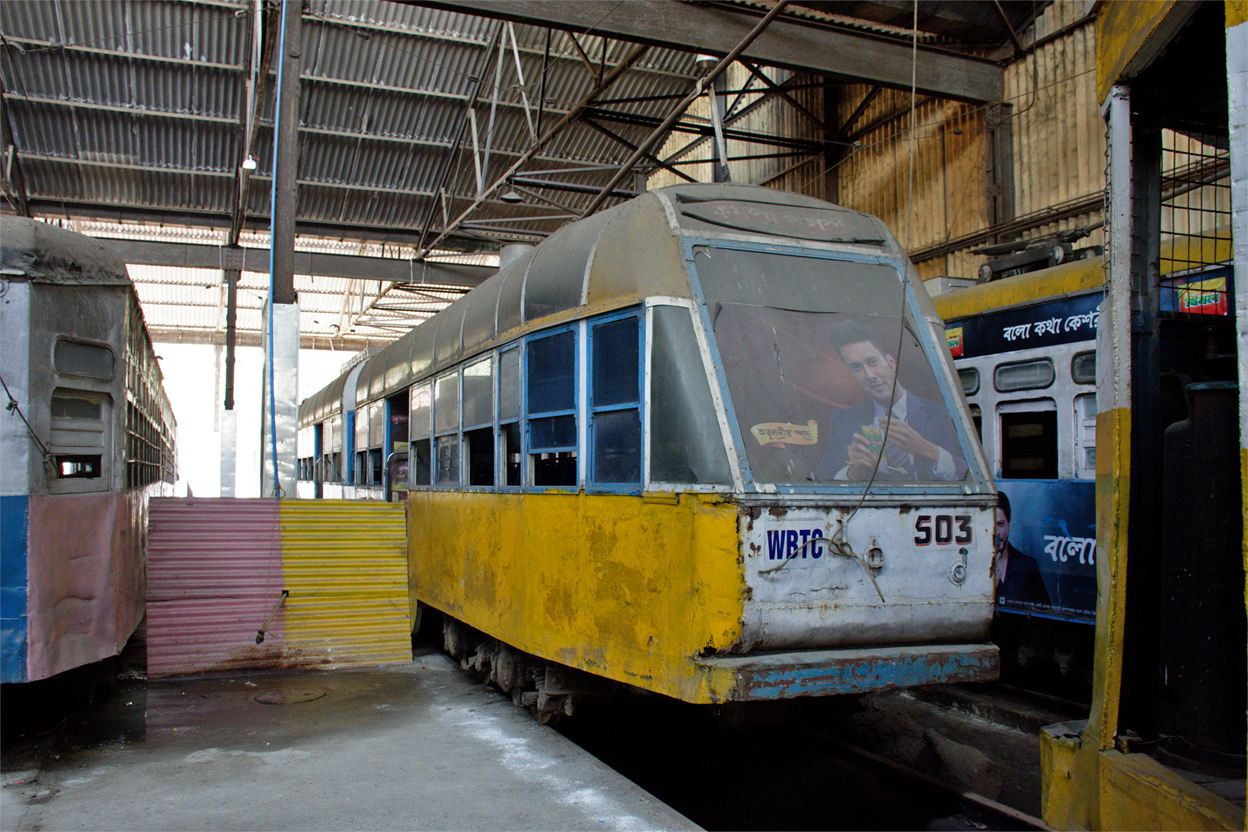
(416, 747)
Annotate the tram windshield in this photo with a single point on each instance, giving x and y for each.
(817, 358)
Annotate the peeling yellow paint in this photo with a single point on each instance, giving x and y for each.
(623, 586)
(1236, 12)
(1130, 34)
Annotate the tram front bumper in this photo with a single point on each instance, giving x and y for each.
(774, 676)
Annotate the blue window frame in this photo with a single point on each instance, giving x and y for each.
(511, 455)
(446, 429)
(478, 422)
(615, 401)
(550, 399)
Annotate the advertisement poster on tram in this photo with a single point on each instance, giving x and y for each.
(806, 386)
(1046, 549)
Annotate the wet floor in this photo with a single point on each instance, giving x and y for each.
(418, 746)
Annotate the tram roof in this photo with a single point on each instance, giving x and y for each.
(44, 253)
(606, 261)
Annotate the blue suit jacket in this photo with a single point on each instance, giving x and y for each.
(927, 418)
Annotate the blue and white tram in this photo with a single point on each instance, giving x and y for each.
(1026, 355)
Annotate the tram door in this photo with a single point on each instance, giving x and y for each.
(396, 447)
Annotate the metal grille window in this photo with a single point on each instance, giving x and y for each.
(1195, 225)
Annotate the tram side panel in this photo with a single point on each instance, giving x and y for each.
(77, 477)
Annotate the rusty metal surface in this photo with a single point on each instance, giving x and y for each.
(824, 672)
(214, 575)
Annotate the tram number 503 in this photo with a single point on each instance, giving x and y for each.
(942, 529)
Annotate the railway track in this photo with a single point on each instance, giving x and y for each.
(796, 770)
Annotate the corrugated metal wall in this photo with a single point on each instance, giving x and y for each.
(217, 568)
(1057, 142)
(346, 569)
(1059, 135)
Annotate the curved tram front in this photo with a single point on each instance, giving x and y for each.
(707, 444)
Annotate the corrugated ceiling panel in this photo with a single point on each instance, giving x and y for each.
(346, 569)
(425, 63)
(214, 574)
(200, 32)
(415, 19)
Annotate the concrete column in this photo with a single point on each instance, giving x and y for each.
(1237, 117)
(281, 408)
(512, 252)
(281, 365)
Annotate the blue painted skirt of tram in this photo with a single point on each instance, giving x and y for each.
(14, 532)
(783, 544)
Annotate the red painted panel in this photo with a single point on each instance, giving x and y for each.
(214, 577)
(85, 579)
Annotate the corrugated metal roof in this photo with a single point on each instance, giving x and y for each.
(135, 110)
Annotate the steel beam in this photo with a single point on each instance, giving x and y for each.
(802, 46)
(383, 269)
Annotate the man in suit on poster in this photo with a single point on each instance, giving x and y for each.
(1018, 575)
(922, 444)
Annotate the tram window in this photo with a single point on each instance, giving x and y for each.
(421, 471)
(690, 446)
(1085, 436)
(479, 393)
(479, 455)
(509, 450)
(615, 401)
(977, 416)
(446, 403)
(447, 462)
(79, 422)
(77, 466)
(374, 457)
(1029, 444)
(1083, 367)
(509, 385)
(360, 473)
(1024, 375)
(552, 362)
(550, 394)
(552, 433)
(74, 358)
(511, 453)
(969, 377)
(617, 447)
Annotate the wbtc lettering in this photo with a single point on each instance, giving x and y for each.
(783, 544)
